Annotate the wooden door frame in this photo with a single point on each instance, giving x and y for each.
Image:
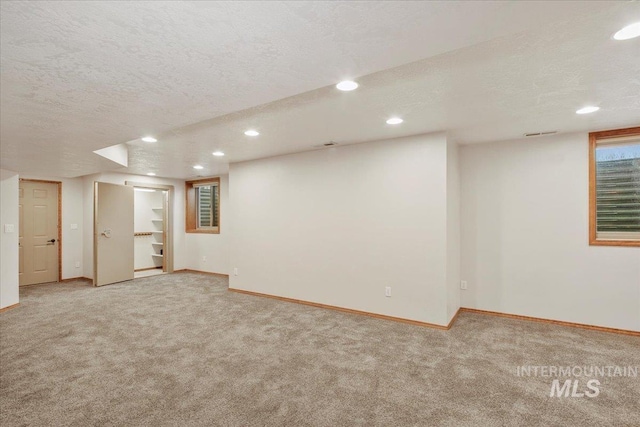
(59, 183)
(167, 224)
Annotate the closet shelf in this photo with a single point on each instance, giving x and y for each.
(158, 232)
(157, 220)
(158, 209)
(157, 255)
(157, 243)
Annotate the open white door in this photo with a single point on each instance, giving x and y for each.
(112, 233)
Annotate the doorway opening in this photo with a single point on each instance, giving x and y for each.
(153, 241)
(40, 231)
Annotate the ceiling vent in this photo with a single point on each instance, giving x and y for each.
(541, 133)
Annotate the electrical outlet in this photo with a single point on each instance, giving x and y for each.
(77, 264)
(74, 226)
(235, 271)
(387, 291)
(9, 228)
(463, 285)
(204, 259)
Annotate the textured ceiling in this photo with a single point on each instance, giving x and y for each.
(80, 76)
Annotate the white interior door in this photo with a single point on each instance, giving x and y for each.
(113, 253)
(38, 232)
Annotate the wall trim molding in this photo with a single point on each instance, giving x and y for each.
(553, 322)
(9, 307)
(211, 273)
(349, 310)
(147, 269)
(454, 318)
(74, 279)
(451, 322)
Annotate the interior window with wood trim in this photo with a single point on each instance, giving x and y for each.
(614, 187)
(203, 206)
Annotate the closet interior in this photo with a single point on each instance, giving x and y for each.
(149, 230)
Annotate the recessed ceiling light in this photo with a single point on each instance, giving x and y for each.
(587, 110)
(151, 174)
(251, 132)
(629, 32)
(394, 121)
(198, 167)
(218, 153)
(347, 85)
(149, 139)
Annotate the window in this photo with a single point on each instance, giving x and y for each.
(203, 206)
(614, 187)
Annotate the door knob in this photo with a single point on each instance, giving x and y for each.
(51, 241)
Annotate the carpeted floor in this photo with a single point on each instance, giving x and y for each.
(181, 350)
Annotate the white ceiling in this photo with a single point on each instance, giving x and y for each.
(80, 76)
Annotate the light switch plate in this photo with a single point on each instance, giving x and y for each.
(9, 228)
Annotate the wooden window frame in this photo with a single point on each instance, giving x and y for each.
(191, 225)
(594, 137)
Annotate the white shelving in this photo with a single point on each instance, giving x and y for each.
(157, 252)
(149, 219)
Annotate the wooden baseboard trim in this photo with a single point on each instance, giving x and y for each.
(9, 307)
(147, 269)
(453, 319)
(76, 279)
(346, 310)
(553, 322)
(188, 270)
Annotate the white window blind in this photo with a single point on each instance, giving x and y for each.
(207, 200)
(618, 189)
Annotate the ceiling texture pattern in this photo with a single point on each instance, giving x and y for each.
(81, 76)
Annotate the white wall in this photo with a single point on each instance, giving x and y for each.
(72, 213)
(210, 252)
(9, 291)
(525, 236)
(179, 250)
(337, 226)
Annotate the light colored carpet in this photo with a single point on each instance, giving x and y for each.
(181, 350)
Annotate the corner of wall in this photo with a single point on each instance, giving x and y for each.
(9, 215)
(453, 229)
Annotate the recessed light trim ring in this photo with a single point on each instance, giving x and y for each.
(629, 32)
(588, 109)
(347, 85)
